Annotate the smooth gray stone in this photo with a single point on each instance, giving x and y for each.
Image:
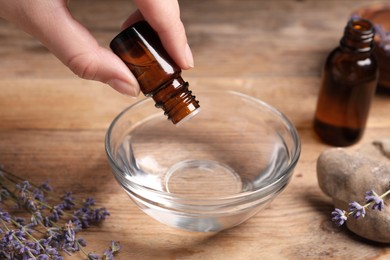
(347, 174)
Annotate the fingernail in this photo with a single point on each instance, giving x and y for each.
(124, 87)
(189, 57)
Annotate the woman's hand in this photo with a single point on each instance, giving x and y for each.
(52, 24)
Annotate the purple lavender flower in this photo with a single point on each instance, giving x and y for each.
(357, 210)
(45, 186)
(92, 256)
(36, 218)
(68, 201)
(12, 241)
(47, 222)
(82, 242)
(70, 234)
(39, 195)
(20, 234)
(56, 213)
(384, 37)
(24, 251)
(20, 221)
(43, 257)
(108, 255)
(114, 248)
(33, 245)
(8, 237)
(5, 216)
(82, 216)
(23, 186)
(89, 202)
(78, 226)
(29, 204)
(100, 214)
(51, 251)
(371, 196)
(71, 244)
(53, 236)
(339, 217)
(88, 215)
(27, 198)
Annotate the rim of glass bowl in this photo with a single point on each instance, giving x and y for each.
(275, 184)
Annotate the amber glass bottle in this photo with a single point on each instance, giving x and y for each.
(158, 75)
(349, 81)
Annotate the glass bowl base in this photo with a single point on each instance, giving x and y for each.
(202, 178)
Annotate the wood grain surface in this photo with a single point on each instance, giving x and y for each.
(53, 124)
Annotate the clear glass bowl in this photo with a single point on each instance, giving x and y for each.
(209, 173)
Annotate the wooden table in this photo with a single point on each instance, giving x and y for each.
(53, 124)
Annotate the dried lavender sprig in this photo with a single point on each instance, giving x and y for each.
(384, 37)
(45, 187)
(339, 216)
(70, 244)
(35, 202)
(17, 239)
(82, 217)
(15, 245)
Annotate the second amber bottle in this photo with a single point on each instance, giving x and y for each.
(349, 81)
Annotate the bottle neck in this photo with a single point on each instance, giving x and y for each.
(176, 100)
(358, 36)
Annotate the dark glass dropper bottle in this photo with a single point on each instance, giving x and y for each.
(141, 50)
(349, 81)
